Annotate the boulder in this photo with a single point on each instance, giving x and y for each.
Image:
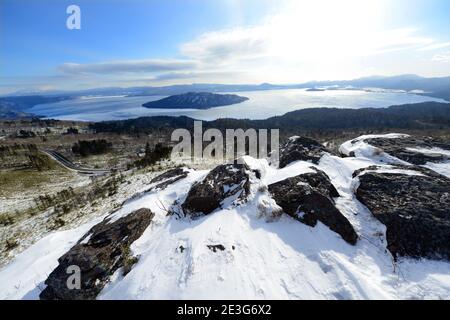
(414, 208)
(301, 148)
(228, 180)
(308, 198)
(98, 254)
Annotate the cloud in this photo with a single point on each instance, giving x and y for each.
(398, 40)
(443, 57)
(203, 75)
(435, 46)
(224, 45)
(303, 34)
(128, 66)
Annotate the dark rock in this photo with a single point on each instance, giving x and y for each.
(415, 210)
(308, 198)
(257, 173)
(215, 247)
(222, 182)
(101, 251)
(398, 147)
(169, 177)
(301, 148)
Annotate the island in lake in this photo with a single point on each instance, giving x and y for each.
(195, 100)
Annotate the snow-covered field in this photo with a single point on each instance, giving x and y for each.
(266, 256)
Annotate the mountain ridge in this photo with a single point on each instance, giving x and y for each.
(407, 82)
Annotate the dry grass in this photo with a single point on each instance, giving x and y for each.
(21, 180)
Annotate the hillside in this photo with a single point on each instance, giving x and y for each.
(412, 116)
(195, 100)
(314, 228)
(16, 107)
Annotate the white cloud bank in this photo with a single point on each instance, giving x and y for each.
(128, 66)
(443, 57)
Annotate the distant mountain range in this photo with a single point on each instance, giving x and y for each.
(15, 106)
(195, 100)
(433, 87)
(440, 85)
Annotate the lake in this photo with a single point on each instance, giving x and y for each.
(261, 105)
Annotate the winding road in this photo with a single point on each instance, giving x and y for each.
(70, 165)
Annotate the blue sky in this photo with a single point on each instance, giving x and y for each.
(156, 42)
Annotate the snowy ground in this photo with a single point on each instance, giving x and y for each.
(265, 257)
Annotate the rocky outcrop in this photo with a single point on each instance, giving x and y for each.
(102, 251)
(309, 198)
(301, 148)
(403, 148)
(167, 178)
(229, 180)
(414, 208)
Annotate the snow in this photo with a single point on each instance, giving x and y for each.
(442, 167)
(393, 170)
(268, 255)
(434, 150)
(270, 175)
(355, 144)
(362, 149)
(160, 200)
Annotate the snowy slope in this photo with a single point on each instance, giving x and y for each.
(265, 257)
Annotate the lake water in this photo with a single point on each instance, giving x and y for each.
(261, 105)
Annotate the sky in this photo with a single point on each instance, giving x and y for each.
(161, 42)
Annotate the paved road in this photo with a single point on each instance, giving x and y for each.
(70, 165)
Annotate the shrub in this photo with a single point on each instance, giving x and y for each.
(128, 260)
(6, 219)
(152, 156)
(85, 148)
(11, 244)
